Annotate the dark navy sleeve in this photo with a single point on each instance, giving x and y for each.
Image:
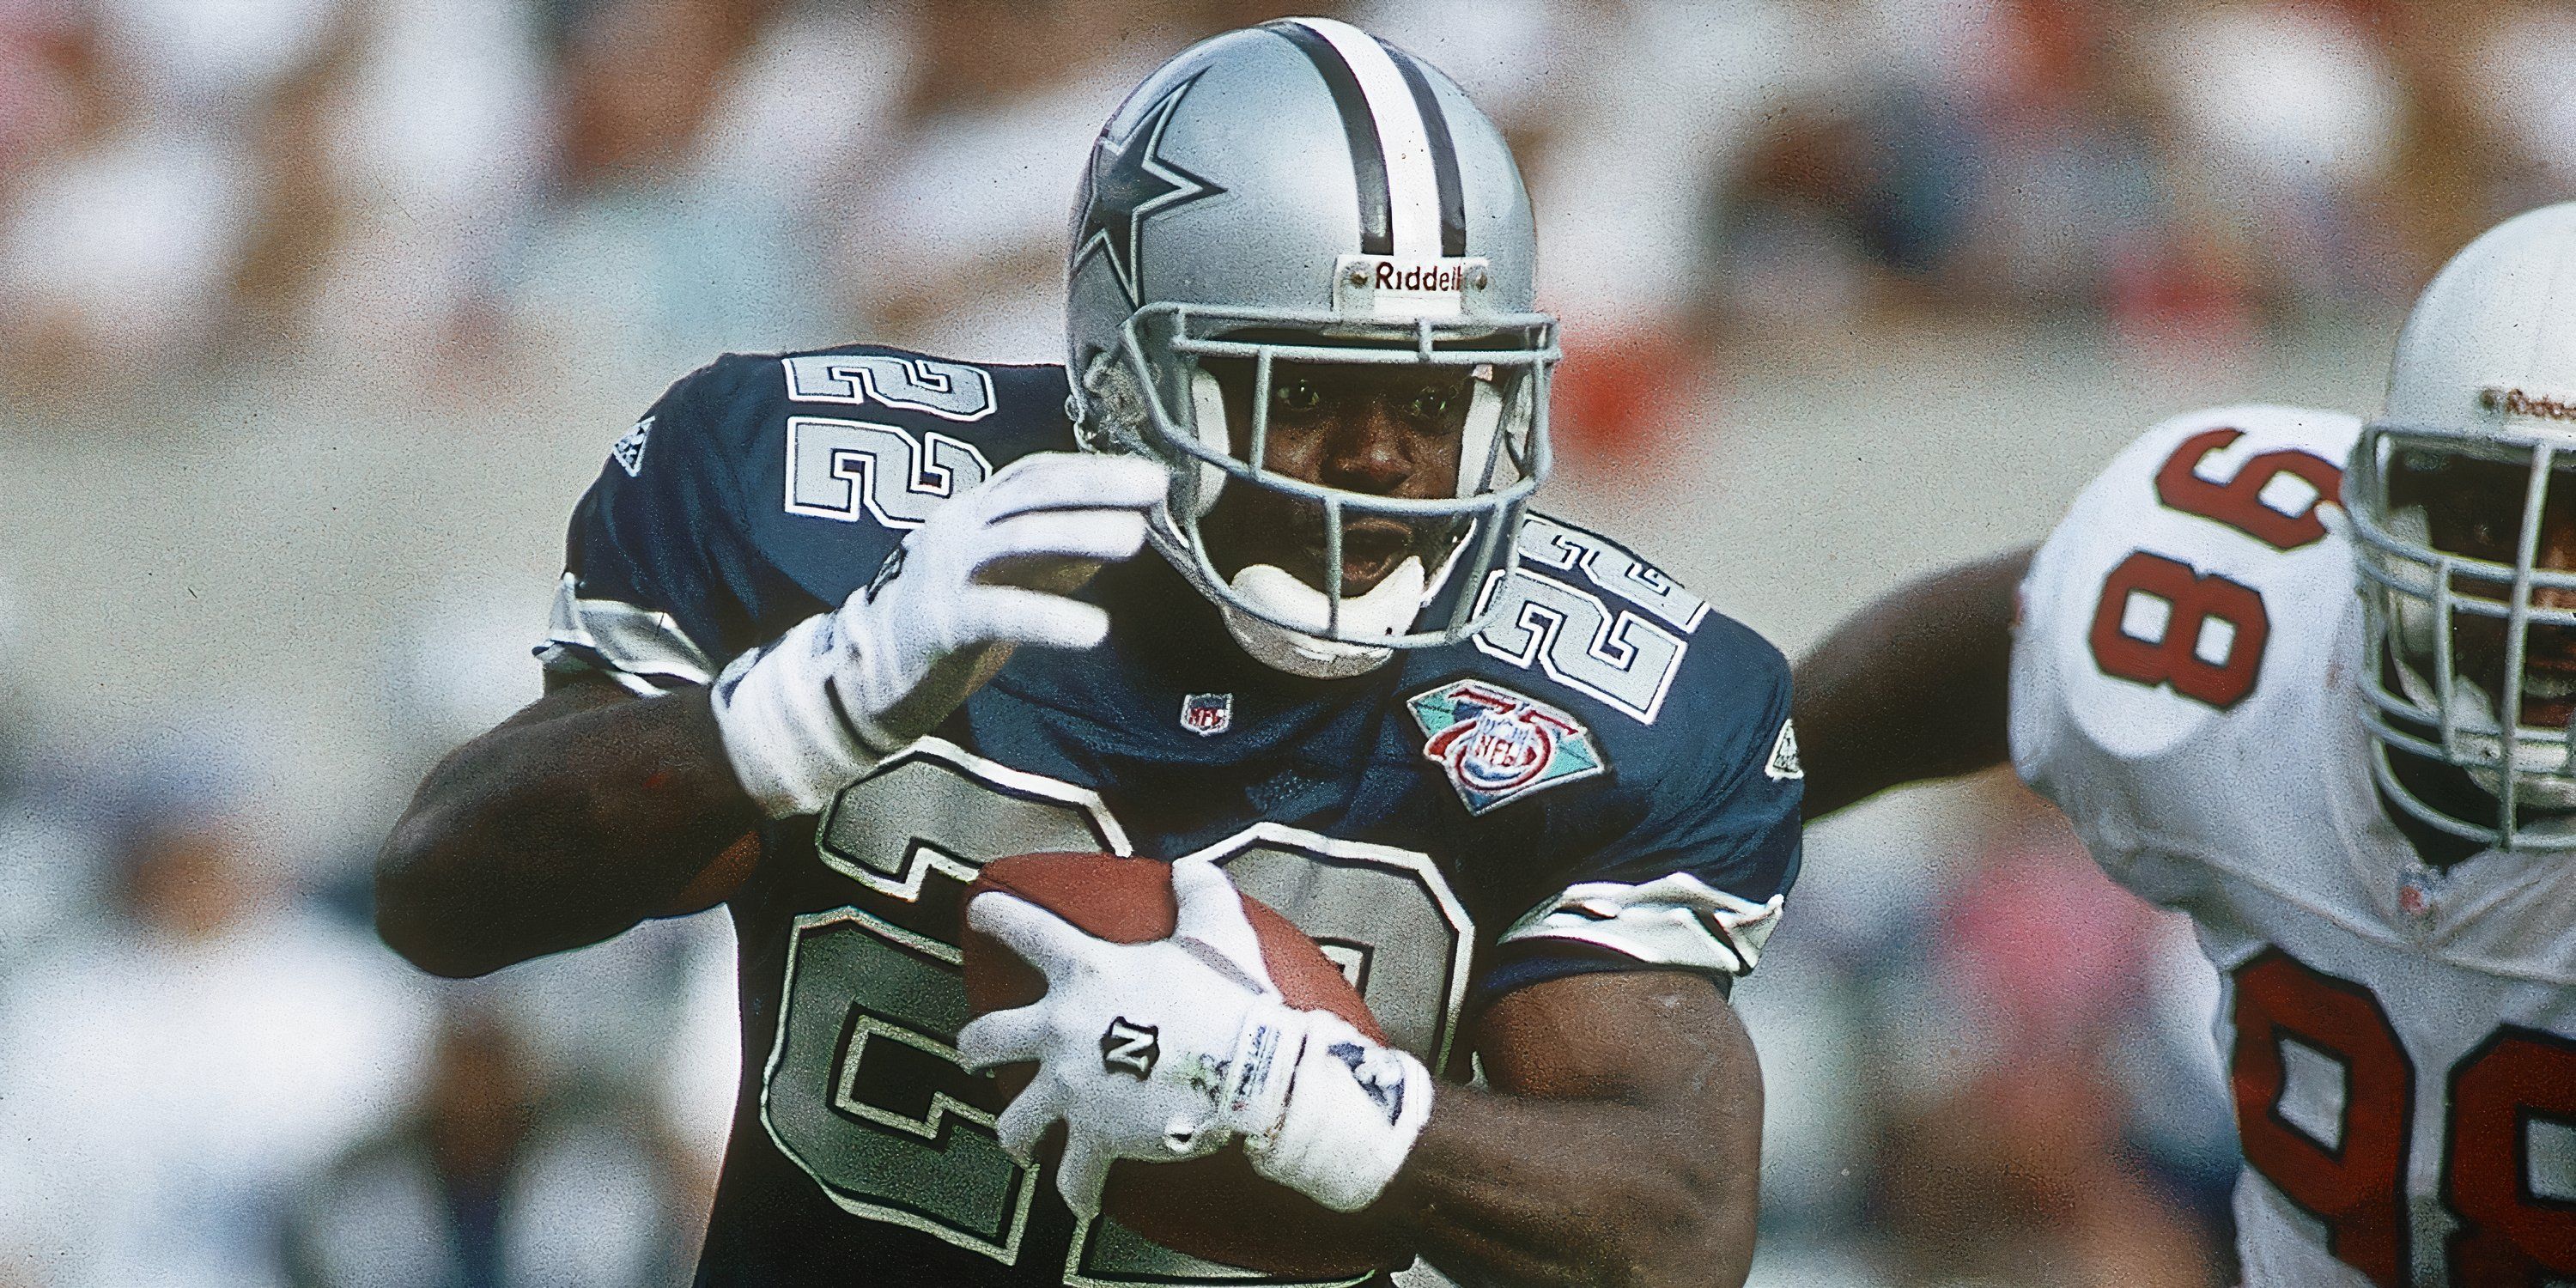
(664, 579)
(764, 488)
(1685, 861)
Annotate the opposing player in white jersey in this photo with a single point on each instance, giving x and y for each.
(2334, 734)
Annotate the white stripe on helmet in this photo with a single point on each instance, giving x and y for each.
(1412, 187)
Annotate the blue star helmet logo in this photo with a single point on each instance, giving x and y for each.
(1130, 182)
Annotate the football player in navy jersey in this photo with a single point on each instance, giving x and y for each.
(838, 627)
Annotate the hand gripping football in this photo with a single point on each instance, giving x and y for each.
(1215, 1207)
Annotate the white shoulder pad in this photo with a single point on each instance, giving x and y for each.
(2194, 592)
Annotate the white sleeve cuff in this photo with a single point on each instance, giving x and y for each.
(1675, 920)
(643, 650)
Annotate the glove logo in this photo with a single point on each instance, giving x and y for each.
(1129, 1048)
(1379, 1074)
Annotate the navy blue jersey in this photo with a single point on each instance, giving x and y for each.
(1603, 779)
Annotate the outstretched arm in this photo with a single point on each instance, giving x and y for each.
(1912, 687)
(589, 811)
(573, 820)
(1621, 1142)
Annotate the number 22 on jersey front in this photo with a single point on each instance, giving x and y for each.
(864, 1090)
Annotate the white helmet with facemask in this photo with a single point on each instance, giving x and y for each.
(2484, 379)
(1302, 193)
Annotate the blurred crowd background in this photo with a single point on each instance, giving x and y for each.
(316, 316)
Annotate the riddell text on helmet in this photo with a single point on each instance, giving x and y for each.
(2514, 402)
(1448, 277)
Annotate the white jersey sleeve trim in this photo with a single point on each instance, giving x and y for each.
(1675, 920)
(644, 651)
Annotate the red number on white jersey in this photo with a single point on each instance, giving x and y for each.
(2192, 599)
(2238, 502)
(2509, 1235)
(2172, 657)
(2356, 1184)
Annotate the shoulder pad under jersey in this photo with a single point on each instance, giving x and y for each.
(1611, 725)
(2184, 612)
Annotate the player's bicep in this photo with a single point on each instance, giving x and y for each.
(1648, 1037)
(1911, 687)
(566, 692)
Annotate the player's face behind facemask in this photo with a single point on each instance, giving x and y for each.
(1382, 431)
(1343, 488)
(2473, 575)
(2459, 494)
(2476, 509)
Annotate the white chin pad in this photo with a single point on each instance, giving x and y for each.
(1387, 609)
(1207, 416)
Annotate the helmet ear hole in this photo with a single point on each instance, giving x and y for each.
(1115, 400)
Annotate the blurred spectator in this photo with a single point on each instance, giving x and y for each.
(496, 1177)
(2290, 116)
(436, 144)
(171, 1074)
(1985, 1060)
(954, 241)
(2523, 86)
(2019, 1178)
(655, 249)
(1988, 1076)
(49, 858)
(2016, 1161)
(51, 92)
(179, 128)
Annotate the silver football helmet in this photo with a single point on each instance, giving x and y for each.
(2483, 388)
(1301, 192)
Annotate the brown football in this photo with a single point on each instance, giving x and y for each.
(1215, 1207)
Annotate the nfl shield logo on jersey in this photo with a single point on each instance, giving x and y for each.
(1497, 745)
(1207, 714)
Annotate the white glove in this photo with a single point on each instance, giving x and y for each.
(817, 708)
(1170, 1049)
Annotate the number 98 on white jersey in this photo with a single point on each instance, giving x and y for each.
(2400, 1039)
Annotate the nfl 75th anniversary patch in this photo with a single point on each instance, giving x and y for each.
(1497, 745)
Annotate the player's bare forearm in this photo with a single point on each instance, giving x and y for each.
(573, 820)
(1621, 1143)
(1912, 687)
